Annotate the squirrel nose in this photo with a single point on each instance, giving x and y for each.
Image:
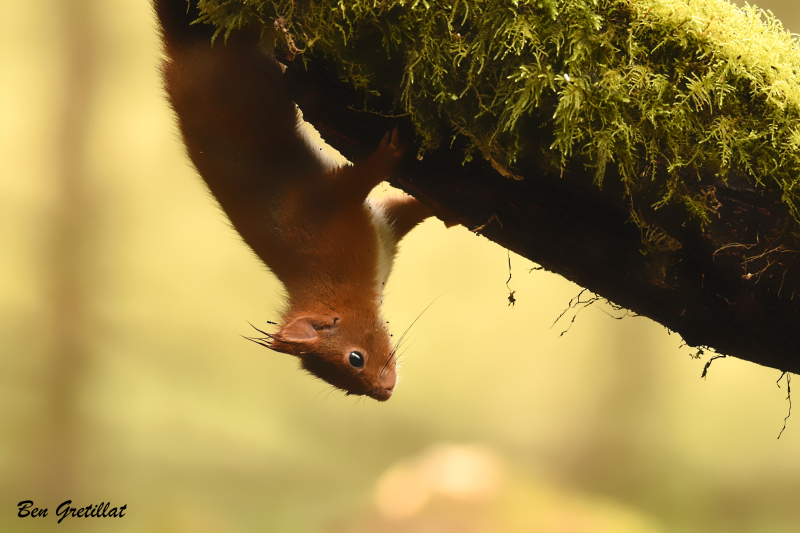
(385, 394)
(382, 394)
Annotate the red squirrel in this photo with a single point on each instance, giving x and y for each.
(307, 218)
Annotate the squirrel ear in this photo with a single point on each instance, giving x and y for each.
(305, 328)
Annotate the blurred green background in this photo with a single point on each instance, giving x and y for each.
(123, 378)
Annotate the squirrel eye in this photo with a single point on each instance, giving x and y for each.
(356, 359)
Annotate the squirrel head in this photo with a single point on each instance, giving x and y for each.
(350, 350)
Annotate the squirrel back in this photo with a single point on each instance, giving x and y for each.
(307, 218)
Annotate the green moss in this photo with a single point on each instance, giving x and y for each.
(662, 89)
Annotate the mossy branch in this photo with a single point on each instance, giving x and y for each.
(657, 141)
(691, 87)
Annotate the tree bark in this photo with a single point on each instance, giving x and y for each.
(731, 286)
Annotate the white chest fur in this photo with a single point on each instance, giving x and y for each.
(387, 243)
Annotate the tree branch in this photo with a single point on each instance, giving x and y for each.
(739, 297)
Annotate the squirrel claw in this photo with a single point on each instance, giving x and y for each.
(398, 149)
(392, 142)
(390, 149)
(385, 141)
(395, 137)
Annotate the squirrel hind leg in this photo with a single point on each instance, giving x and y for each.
(404, 212)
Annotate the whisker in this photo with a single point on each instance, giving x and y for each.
(405, 350)
(265, 340)
(386, 364)
(323, 389)
(388, 361)
(332, 389)
(424, 310)
(403, 336)
(399, 359)
(389, 324)
(355, 404)
(260, 342)
(258, 330)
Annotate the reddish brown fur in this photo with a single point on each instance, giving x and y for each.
(308, 223)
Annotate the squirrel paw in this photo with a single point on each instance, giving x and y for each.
(388, 153)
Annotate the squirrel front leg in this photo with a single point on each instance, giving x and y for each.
(356, 181)
(403, 212)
